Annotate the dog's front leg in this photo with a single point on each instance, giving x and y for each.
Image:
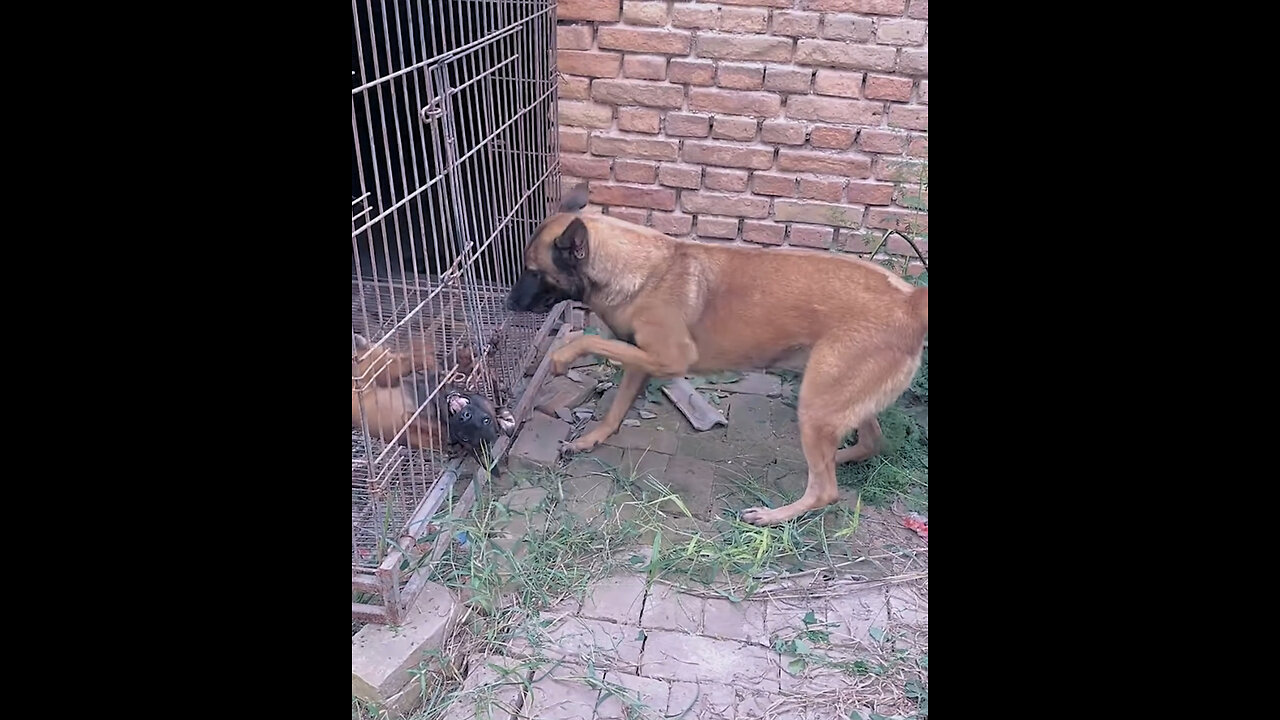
(628, 389)
(630, 356)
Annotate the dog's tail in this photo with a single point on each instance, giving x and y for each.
(920, 305)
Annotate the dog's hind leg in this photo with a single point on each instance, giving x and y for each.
(835, 397)
(869, 439)
(629, 387)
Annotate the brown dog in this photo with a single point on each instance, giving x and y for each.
(854, 329)
(401, 383)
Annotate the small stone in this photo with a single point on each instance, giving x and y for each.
(631, 423)
(576, 376)
(646, 415)
(604, 385)
(564, 414)
(587, 414)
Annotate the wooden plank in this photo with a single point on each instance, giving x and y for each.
(368, 613)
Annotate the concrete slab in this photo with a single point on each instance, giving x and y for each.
(382, 655)
(538, 445)
(678, 656)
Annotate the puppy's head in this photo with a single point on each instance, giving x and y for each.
(555, 260)
(473, 423)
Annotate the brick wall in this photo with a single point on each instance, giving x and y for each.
(801, 122)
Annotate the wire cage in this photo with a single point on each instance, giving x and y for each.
(454, 162)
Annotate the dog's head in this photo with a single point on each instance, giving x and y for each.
(473, 422)
(555, 260)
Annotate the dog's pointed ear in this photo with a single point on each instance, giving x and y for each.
(457, 401)
(574, 239)
(575, 200)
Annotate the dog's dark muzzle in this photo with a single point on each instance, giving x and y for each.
(532, 294)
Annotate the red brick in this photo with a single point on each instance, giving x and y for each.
(737, 47)
(727, 180)
(782, 132)
(727, 155)
(646, 67)
(574, 88)
(635, 148)
(700, 17)
(844, 163)
(686, 125)
(866, 7)
(912, 117)
(912, 197)
(744, 20)
(773, 184)
(900, 220)
(787, 79)
(765, 233)
(662, 42)
(632, 215)
(897, 170)
(717, 227)
(586, 166)
(830, 53)
(718, 204)
(574, 37)
(585, 114)
(811, 236)
(598, 10)
(633, 196)
(641, 120)
(858, 241)
(914, 63)
(591, 64)
(924, 92)
(568, 180)
(816, 213)
(691, 72)
(637, 92)
(835, 138)
(919, 9)
(671, 223)
(682, 176)
(644, 13)
(635, 171)
(878, 141)
(740, 77)
(762, 3)
(847, 27)
(919, 146)
(728, 127)
(880, 87)
(735, 102)
(810, 107)
(795, 24)
(870, 193)
(573, 139)
(900, 32)
(838, 82)
(822, 188)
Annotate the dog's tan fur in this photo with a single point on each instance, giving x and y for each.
(854, 329)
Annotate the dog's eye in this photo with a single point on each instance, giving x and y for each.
(486, 421)
(466, 415)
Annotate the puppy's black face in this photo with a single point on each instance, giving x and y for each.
(472, 422)
(555, 270)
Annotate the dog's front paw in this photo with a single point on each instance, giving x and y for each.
(560, 361)
(582, 444)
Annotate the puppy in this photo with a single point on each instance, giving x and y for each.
(391, 387)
